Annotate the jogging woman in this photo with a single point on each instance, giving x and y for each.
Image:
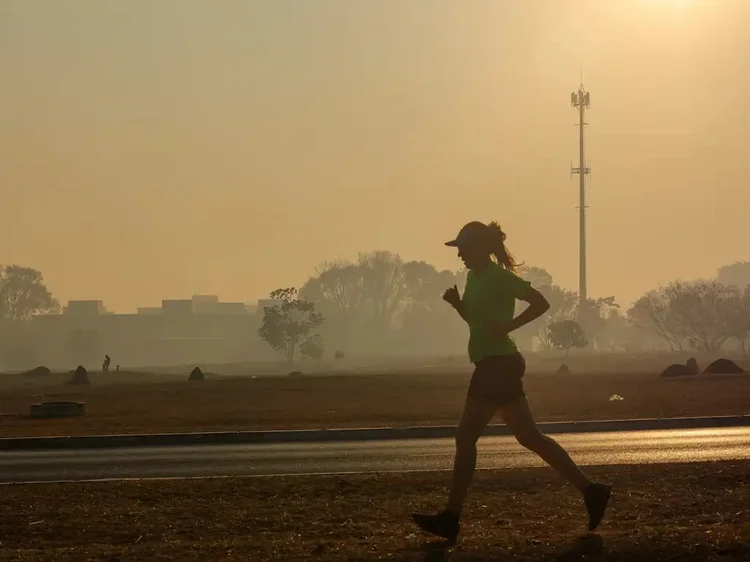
(488, 307)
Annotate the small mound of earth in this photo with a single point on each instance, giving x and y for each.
(563, 370)
(723, 367)
(80, 376)
(196, 375)
(36, 373)
(295, 374)
(677, 370)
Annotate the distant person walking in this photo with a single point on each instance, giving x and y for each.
(105, 365)
(488, 307)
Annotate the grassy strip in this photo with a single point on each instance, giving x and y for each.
(356, 401)
(680, 513)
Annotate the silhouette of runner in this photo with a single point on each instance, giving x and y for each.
(488, 307)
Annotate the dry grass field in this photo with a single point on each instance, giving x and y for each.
(140, 402)
(675, 513)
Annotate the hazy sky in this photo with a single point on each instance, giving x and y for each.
(155, 149)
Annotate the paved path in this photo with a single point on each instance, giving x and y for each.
(636, 447)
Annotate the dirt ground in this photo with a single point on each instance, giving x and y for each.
(677, 513)
(434, 395)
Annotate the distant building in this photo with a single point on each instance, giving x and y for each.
(84, 308)
(180, 331)
(205, 304)
(149, 310)
(177, 307)
(231, 308)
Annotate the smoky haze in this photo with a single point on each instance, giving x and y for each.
(157, 151)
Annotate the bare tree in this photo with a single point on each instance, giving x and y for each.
(386, 284)
(652, 312)
(740, 324)
(337, 290)
(426, 285)
(337, 282)
(706, 312)
(612, 329)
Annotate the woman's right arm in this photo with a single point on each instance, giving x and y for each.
(461, 309)
(453, 298)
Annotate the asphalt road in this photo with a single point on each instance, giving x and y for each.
(611, 448)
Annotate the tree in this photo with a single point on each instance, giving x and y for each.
(616, 331)
(563, 304)
(741, 329)
(312, 347)
(368, 301)
(706, 313)
(537, 276)
(385, 283)
(653, 312)
(426, 285)
(541, 280)
(338, 282)
(737, 274)
(425, 321)
(337, 291)
(595, 314)
(565, 334)
(24, 294)
(288, 326)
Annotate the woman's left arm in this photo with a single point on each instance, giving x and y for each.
(538, 305)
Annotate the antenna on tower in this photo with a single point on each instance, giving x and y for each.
(581, 100)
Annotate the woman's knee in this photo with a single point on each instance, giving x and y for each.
(466, 441)
(531, 439)
(477, 414)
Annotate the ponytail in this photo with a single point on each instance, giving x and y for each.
(496, 239)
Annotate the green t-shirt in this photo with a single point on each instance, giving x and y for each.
(491, 296)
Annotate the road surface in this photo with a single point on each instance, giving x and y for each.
(611, 448)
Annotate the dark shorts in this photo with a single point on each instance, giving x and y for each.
(497, 379)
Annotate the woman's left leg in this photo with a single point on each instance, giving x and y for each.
(518, 418)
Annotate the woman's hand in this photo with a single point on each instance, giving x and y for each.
(452, 297)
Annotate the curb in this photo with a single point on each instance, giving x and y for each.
(349, 434)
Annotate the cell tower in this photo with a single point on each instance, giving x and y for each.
(581, 101)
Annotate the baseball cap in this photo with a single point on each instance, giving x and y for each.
(470, 233)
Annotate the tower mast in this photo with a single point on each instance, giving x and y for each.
(581, 101)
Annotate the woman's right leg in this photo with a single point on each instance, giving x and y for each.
(476, 415)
